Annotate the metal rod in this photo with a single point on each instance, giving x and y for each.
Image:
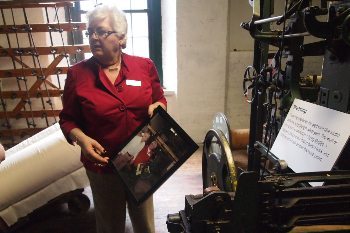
(35, 57)
(51, 41)
(61, 34)
(295, 35)
(22, 66)
(4, 108)
(49, 101)
(3, 102)
(268, 20)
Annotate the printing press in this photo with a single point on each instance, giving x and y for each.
(267, 195)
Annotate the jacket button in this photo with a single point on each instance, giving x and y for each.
(122, 108)
(120, 88)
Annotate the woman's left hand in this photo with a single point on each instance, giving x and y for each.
(154, 106)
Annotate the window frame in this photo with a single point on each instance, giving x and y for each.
(155, 34)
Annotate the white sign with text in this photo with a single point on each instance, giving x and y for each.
(311, 137)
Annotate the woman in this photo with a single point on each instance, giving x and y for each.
(144, 155)
(105, 99)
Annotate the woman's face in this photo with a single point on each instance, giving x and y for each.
(104, 42)
(145, 136)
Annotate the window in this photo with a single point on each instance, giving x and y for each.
(144, 27)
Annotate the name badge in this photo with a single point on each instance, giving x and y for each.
(135, 83)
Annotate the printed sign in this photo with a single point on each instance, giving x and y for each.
(311, 137)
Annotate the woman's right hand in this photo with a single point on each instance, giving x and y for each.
(90, 148)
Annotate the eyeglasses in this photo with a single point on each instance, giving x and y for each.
(99, 33)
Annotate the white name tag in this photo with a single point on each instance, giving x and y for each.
(135, 83)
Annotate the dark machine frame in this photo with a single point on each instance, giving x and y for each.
(268, 196)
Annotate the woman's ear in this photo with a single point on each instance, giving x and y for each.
(122, 43)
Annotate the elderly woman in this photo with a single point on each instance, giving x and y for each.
(105, 99)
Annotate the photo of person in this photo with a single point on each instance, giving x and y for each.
(142, 162)
(152, 155)
(125, 157)
(136, 153)
(147, 151)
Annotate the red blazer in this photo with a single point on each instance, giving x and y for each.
(109, 113)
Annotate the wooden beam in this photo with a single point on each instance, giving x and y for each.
(51, 84)
(29, 114)
(25, 72)
(4, 52)
(45, 27)
(19, 132)
(29, 51)
(36, 94)
(17, 4)
(7, 3)
(38, 82)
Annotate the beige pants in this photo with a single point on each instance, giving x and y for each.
(110, 200)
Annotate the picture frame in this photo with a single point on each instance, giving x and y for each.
(152, 154)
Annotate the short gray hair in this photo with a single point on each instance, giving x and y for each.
(116, 16)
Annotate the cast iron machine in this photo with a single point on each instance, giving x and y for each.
(268, 196)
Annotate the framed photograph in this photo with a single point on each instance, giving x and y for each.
(153, 153)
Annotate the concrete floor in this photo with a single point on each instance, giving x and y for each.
(168, 199)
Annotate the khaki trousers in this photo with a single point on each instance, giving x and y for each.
(111, 199)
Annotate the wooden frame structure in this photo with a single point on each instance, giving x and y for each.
(30, 89)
